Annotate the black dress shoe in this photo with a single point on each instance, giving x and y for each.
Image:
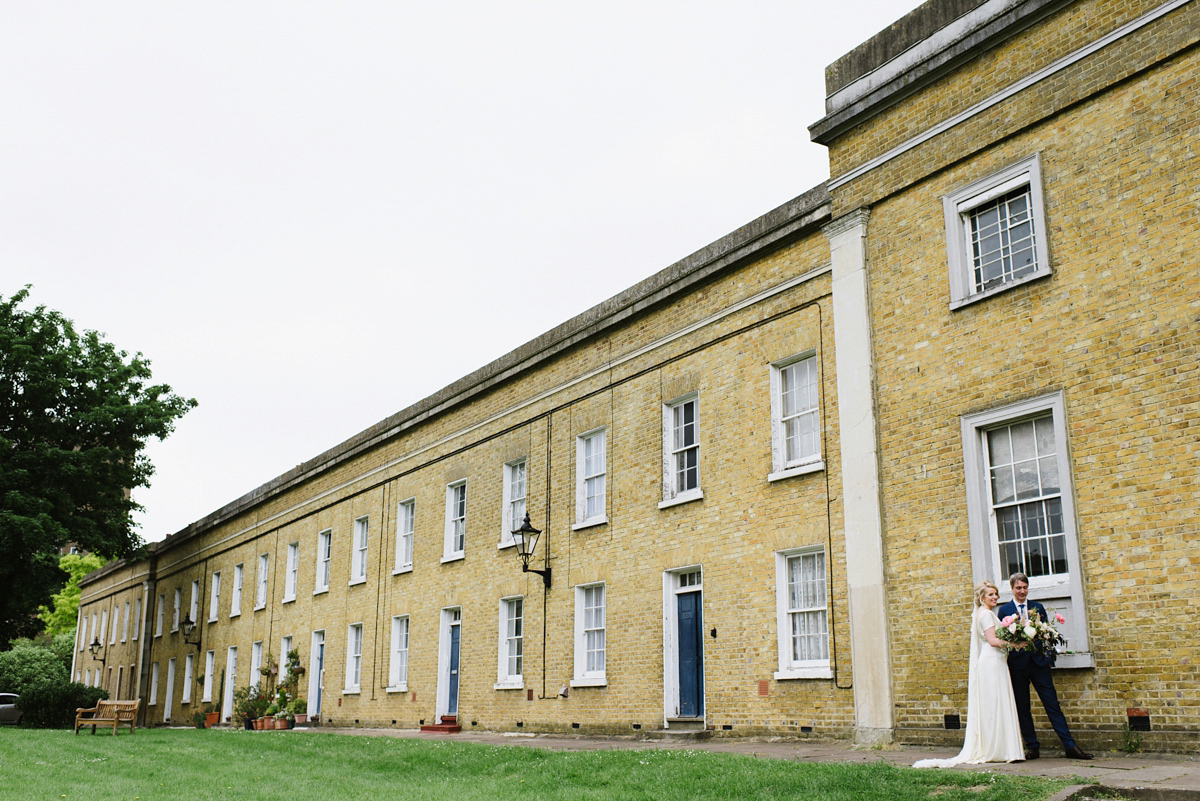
(1031, 753)
(1075, 752)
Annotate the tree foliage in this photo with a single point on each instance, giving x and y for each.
(75, 415)
(60, 616)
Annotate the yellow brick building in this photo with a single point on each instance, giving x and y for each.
(767, 477)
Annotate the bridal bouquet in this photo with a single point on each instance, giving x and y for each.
(1038, 634)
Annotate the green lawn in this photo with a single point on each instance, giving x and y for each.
(223, 764)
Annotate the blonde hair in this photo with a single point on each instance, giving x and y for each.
(981, 589)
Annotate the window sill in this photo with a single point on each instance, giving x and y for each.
(398, 688)
(231, 615)
(351, 691)
(590, 522)
(399, 570)
(288, 600)
(955, 305)
(500, 546)
(212, 620)
(510, 685)
(260, 608)
(681, 498)
(357, 581)
(592, 681)
(1080, 659)
(454, 557)
(798, 470)
(320, 590)
(818, 672)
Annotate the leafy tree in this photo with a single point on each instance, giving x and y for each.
(60, 618)
(75, 415)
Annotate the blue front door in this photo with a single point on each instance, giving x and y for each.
(452, 704)
(691, 656)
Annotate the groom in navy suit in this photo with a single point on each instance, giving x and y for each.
(1027, 667)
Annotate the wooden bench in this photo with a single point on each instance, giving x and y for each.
(108, 713)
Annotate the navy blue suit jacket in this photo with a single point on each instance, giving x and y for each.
(1025, 658)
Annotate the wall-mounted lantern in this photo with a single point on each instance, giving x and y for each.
(188, 629)
(526, 538)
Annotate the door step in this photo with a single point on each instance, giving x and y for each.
(448, 725)
(681, 729)
(677, 734)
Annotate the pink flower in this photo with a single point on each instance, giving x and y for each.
(1008, 621)
(1059, 618)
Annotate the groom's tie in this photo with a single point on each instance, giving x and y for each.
(1021, 609)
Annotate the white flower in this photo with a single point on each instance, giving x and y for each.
(1030, 632)
(1012, 628)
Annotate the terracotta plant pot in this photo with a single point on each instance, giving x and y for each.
(211, 719)
(301, 719)
(259, 723)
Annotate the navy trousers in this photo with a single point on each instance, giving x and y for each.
(1039, 677)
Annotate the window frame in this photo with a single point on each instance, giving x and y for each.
(397, 666)
(214, 603)
(449, 553)
(261, 590)
(176, 608)
(210, 664)
(509, 508)
(158, 618)
(125, 625)
(506, 680)
(1060, 592)
(153, 684)
(358, 554)
(285, 645)
(957, 207)
(235, 596)
(324, 569)
(406, 527)
(582, 477)
(582, 676)
(291, 575)
(256, 661)
(790, 668)
(672, 495)
(354, 641)
(189, 671)
(781, 466)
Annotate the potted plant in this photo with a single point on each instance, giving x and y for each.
(198, 718)
(212, 715)
(300, 710)
(243, 705)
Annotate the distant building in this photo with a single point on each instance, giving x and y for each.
(768, 476)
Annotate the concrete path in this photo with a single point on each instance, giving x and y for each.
(1162, 777)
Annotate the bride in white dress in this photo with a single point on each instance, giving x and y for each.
(993, 733)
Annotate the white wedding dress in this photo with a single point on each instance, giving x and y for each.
(993, 733)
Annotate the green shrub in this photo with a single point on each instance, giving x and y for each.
(50, 703)
(27, 663)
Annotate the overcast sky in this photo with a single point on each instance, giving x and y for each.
(309, 216)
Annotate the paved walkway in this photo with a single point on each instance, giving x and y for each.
(1165, 777)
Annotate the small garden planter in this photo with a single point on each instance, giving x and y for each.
(212, 719)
